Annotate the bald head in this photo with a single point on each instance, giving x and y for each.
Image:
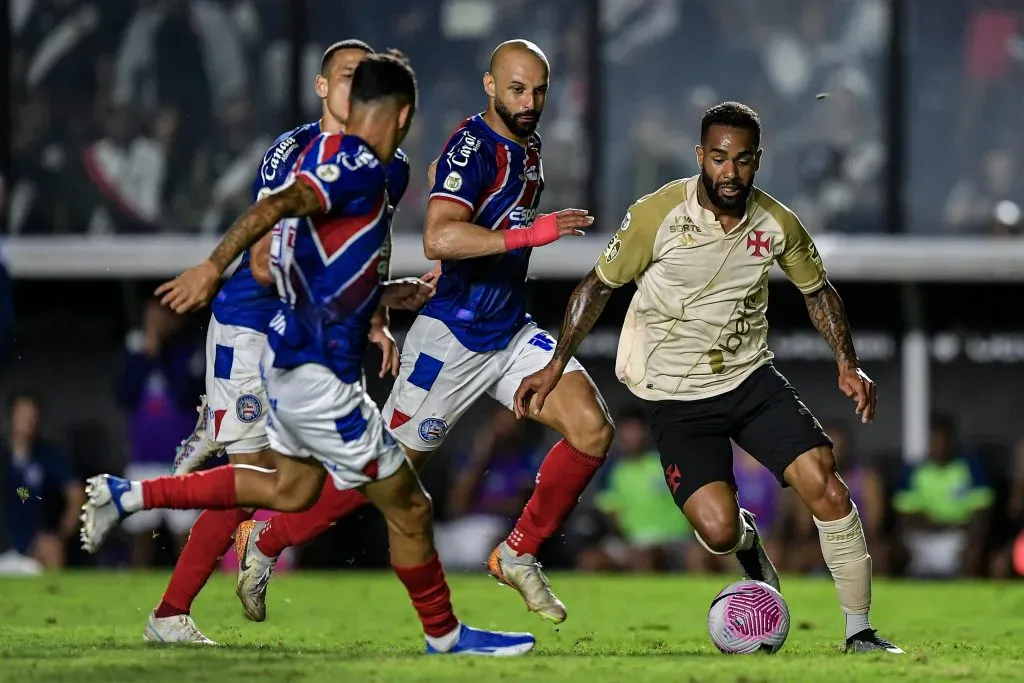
(517, 85)
(518, 49)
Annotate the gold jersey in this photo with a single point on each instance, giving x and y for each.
(696, 326)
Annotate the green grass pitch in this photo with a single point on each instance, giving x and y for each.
(359, 627)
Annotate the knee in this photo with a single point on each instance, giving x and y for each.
(718, 529)
(591, 431)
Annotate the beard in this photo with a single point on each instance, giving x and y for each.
(720, 200)
(515, 123)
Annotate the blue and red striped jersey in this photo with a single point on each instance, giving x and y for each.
(483, 300)
(244, 302)
(329, 267)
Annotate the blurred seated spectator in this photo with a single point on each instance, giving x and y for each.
(41, 498)
(803, 552)
(943, 504)
(161, 379)
(489, 491)
(648, 531)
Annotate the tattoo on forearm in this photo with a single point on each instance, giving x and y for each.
(829, 317)
(585, 307)
(298, 199)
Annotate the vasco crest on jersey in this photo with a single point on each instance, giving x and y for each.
(248, 408)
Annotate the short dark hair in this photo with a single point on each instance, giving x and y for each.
(733, 115)
(381, 75)
(943, 422)
(348, 44)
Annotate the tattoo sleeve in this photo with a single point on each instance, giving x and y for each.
(585, 307)
(829, 317)
(298, 199)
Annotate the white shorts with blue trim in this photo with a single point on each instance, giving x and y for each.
(234, 391)
(313, 414)
(440, 379)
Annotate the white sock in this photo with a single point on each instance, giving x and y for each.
(131, 500)
(445, 642)
(855, 623)
(846, 553)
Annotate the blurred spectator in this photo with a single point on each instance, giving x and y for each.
(943, 505)
(126, 170)
(489, 491)
(183, 60)
(647, 531)
(161, 379)
(990, 199)
(42, 497)
(222, 179)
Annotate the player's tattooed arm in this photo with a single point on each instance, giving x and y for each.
(296, 200)
(194, 288)
(829, 317)
(585, 307)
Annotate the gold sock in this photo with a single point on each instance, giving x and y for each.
(846, 553)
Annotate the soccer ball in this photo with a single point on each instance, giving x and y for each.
(748, 617)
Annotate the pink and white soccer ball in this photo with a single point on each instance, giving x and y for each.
(748, 617)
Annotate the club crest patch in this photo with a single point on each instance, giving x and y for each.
(248, 408)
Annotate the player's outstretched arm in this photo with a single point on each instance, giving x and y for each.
(585, 307)
(194, 288)
(829, 317)
(449, 235)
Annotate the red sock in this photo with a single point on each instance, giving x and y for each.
(292, 528)
(430, 595)
(563, 475)
(209, 540)
(212, 489)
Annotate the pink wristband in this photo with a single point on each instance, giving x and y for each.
(543, 231)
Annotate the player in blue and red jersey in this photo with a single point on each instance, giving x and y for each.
(233, 412)
(329, 257)
(474, 336)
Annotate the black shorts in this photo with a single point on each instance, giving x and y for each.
(764, 416)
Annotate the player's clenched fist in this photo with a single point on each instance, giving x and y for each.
(191, 290)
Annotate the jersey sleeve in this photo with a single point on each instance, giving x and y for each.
(276, 167)
(339, 177)
(397, 177)
(464, 171)
(799, 260)
(631, 248)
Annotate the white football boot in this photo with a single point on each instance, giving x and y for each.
(199, 446)
(177, 629)
(103, 509)
(523, 572)
(254, 570)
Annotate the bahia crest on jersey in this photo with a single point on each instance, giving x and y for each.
(483, 300)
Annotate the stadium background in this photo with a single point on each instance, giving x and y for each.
(134, 129)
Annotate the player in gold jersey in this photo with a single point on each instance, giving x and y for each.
(694, 348)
